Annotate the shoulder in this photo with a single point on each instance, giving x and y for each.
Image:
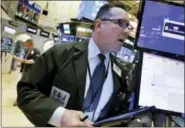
(59, 51)
(60, 48)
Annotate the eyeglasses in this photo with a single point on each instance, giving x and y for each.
(122, 23)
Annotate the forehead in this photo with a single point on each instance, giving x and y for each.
(118, 13)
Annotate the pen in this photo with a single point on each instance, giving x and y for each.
(83, 119)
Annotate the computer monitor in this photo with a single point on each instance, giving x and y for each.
(6, 44)
(162, 83)
(126, 55)
(9, 30)
(66, 28)
(161, 27)
(89, 9)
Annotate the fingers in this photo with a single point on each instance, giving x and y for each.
(73, 118)
(88, 123)
(80, 115)
(84, 124)
(79, 123)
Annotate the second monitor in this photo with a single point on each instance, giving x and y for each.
(162, 83)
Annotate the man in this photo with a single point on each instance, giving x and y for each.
(72, 80)
(31, 54)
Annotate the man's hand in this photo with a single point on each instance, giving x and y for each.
(18, 58)
(72, 118)
(14, 56)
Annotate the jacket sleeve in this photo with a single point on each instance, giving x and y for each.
(34, 88)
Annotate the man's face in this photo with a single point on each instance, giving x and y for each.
(111, 33)
(28, 45)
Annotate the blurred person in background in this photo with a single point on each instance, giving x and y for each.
(30, 56)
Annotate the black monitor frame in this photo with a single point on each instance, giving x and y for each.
(139, 26)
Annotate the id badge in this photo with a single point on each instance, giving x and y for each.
(116, 69)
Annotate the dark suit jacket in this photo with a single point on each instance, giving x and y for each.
(63, 66)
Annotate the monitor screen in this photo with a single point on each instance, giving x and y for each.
(31, 29)
(89, 9)
(44, 33)
(6, 44)
(126, 54)
(162, 27)
(9, 30)
(66, 28)
(80, 39)
(67, 38)
(83, 31)
(162, 83)
(71, 38)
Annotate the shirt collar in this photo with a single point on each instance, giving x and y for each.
(93, 50)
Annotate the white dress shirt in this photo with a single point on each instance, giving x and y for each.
(107, 90)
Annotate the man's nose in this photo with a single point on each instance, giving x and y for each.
(126, 31)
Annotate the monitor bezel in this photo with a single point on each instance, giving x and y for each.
(138, 80)
(140, 19)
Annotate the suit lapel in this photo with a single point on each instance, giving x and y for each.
(116, 85)
(80, 64)
(116, 82)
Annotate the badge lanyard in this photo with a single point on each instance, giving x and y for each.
(90, 77)
(89, 71)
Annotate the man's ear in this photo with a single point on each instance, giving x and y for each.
(97, 25)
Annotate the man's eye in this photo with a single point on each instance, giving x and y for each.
(127, 24)
(121, 23)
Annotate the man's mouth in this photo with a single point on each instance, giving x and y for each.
(120, 40)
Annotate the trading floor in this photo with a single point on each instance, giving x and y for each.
(11, 115)
(133, 63)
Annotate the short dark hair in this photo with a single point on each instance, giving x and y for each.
(29, 42)
(105, 9)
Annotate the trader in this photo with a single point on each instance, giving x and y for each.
(31, 54)
(74, 80)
